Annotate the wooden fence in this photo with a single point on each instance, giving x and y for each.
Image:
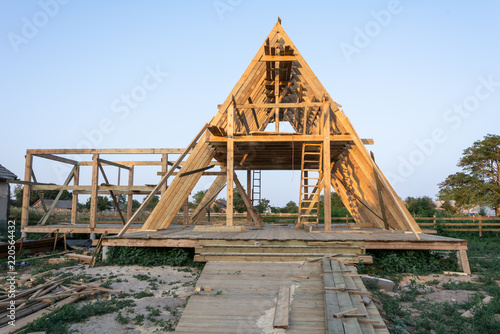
(478, 224)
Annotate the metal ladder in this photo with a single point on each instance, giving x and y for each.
(310, 184)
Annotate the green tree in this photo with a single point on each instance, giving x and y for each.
(290, 207)
(478, 184)
(262, 206)
(420, 206)
(152, 203)
(103, 203)
(238, 203)
(198, 196)
(448, 208)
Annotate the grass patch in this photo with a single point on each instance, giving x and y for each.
(59, 322)
(149, 257)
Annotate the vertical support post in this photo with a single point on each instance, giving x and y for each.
(26, 191)
(327, 168)
(249, 194)
(130, 196)
(186, 211)
(230, 164)
(480, 222)
(74, 200)
(94, 191)
(164, 169)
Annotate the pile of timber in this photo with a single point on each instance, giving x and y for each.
(263, 251)
(348, 304)
(41, 291)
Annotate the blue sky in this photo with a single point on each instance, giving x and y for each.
(421, 78)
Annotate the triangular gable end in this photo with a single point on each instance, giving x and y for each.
(279, 86)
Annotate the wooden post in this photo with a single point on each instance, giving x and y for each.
(26, 191)
(480, 223)
(327, 169)
(230, 164)
(74, 200)
(249, 194)
(186, 211)
(130, 196)
(164, 169)
(434, 221)
(94, 191)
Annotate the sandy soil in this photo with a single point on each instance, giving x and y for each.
(170, 287)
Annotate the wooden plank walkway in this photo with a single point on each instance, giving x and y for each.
(247, 301)
(243, 298)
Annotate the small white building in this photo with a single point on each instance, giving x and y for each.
(5, 175)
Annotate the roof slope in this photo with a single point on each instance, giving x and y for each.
(6, 174)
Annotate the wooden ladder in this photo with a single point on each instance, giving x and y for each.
(310, 184)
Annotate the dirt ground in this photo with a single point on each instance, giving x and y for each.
(169, 286)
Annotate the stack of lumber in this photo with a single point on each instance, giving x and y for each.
(41, 291)
(279, 252)
(348, 305)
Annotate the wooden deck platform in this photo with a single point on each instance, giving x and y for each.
(286, 237)
(244, 298)
(185, 236)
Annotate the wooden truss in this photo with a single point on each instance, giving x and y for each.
(278, 86)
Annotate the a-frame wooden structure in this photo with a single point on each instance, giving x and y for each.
(278, 86)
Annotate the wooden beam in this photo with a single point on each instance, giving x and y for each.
(74, 199)
(278, 58)
(95, 187)
(107, 162)
(279, 105)
(282, 308)
(164, 169)
(194, 171)
(108, 151)
(210, 195)
(130, 196)
(26, 190)
(327, 170)
(230, 165)
(56, 158)
(163, 180)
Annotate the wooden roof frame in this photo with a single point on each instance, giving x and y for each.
(279, 86)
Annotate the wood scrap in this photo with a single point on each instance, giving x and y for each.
(282, 308)
(342, 314)
(85, 258)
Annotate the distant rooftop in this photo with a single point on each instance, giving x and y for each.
(6, 174)
(61, 204)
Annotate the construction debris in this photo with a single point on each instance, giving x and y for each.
(49, 288)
